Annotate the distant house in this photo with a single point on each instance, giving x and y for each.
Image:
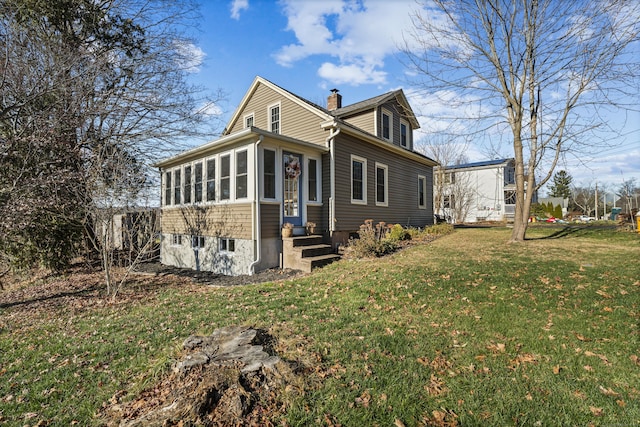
(473, 192)
(283, 159)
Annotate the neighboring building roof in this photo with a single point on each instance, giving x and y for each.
(482, 164)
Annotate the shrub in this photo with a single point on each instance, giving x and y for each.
(372, 241)
(398, 232)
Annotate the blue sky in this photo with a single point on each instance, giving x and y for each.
(310, 47)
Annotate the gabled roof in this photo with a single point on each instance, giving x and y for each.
(314, 108)
(482, 164)
(376, 101)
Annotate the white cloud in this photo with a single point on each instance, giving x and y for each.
(189, 56)
(359, 35)
(352, 74)
(237, 6)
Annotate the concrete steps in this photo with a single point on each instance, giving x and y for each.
(306, 253)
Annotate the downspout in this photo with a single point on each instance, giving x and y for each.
(332, 177)
(256, 210)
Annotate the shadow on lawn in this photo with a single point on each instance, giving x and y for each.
(571, 231)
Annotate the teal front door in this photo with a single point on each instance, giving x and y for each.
(292, 168)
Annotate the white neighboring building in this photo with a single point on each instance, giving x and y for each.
(474, 192)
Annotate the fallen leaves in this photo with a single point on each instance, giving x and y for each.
(608, 391)
(436, 386)
(522, 359)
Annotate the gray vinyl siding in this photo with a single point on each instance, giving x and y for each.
(365, 121)
(396, 111)
(403, 188)
(226, 220)
(270, 220)
(295, 120)
(318, 215)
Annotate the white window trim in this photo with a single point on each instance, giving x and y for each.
(235, 174)
(174, 238)
(269, 107)
(227, 251)
(384, 111)
(386, 184)
(318, 181)
(276, 172)
(205, 180)
(406, 123)
(173, 185)
(184, 184)
(232, 165)
(167, 203)
(364, 180)
(244, 119)
(424, 189)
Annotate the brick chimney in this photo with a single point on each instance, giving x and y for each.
(334, 101)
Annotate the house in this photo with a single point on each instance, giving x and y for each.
(283, 159)
(473, 192)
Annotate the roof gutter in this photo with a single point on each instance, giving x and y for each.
(379, 142)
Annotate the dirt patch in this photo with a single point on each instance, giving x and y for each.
(230, 378)
(215, 279)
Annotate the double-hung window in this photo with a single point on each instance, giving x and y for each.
(177, 186)
(269, 174)
(422, 192)
(382, 185)
(386, 125)
(404, 134)
(167, 188)
(241, 174)
(211, 180)
(274, 118)
(187, 184)
(358, 180)
(225, 177)
(198, 183)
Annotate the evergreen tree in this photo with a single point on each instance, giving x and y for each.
(561, 185)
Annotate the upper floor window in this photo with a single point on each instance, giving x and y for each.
(225, 177)
(358, 180)
(404, 134)
(211, 180)
(274, 118)
(509, 175)
(241, 174)
(386, 125)
(450, 178)
(248, 120)
(269, 174)
(422, 192)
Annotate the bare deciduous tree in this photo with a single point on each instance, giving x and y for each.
(541, 72)
(92, 94)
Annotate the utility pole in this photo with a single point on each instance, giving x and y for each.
(605, 205)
